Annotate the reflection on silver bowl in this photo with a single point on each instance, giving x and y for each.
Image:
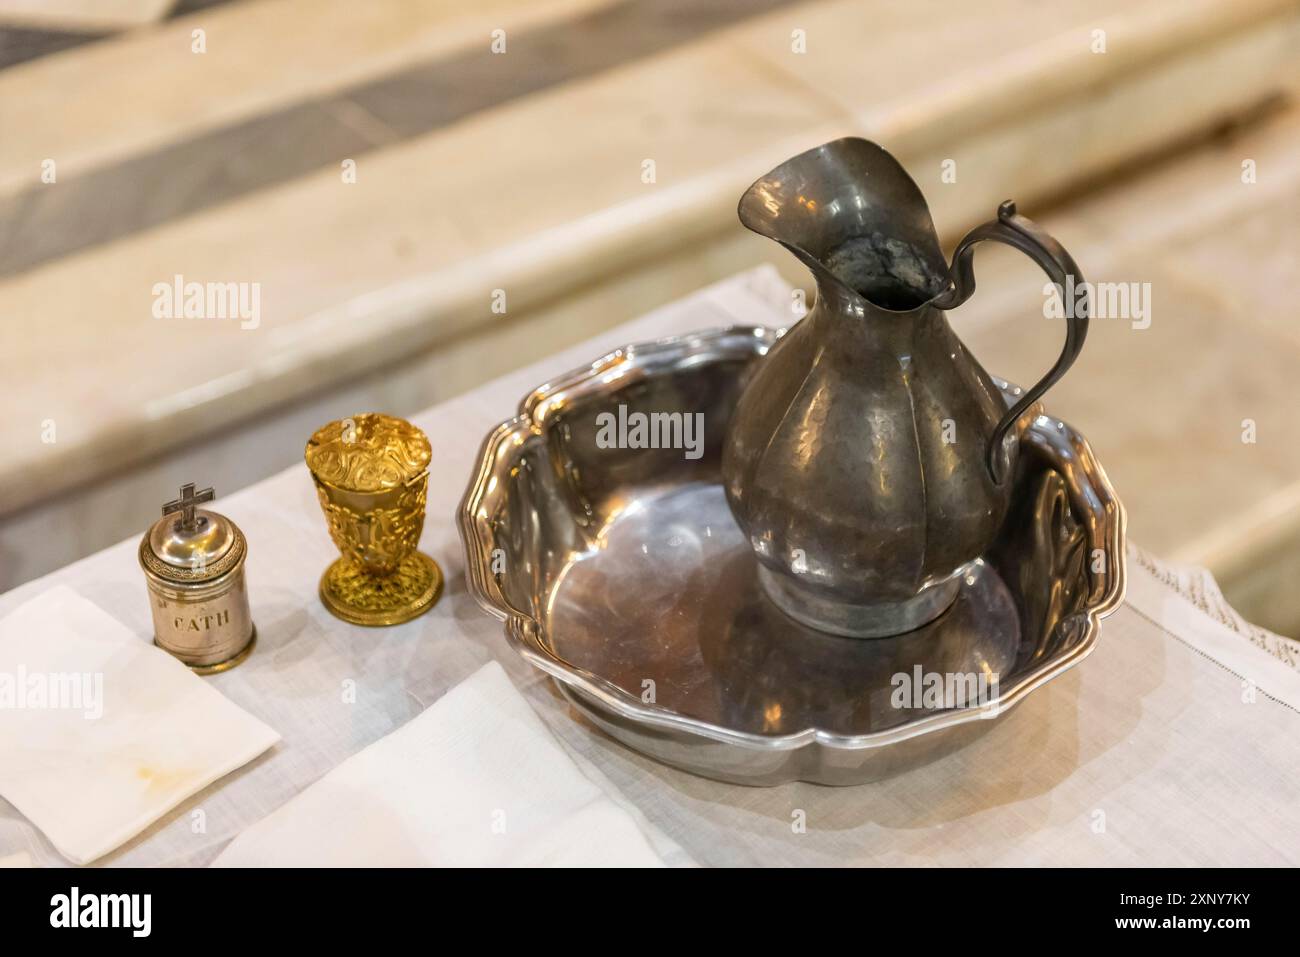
(621, 573)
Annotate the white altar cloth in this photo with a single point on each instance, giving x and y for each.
(1177, 742)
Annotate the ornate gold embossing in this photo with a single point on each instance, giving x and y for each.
(378, 538)
(365, 599)
(371, 474)
(368, 453)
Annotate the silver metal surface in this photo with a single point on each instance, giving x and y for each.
(193, 562)
(870, 455)
(622, 574)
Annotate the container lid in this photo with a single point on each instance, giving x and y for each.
(189, 542)
(371, 452)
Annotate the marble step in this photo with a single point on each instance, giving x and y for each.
(543, 198)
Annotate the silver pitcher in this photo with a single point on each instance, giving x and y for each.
(870, 457)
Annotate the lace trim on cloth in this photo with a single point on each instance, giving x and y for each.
(1197, 586)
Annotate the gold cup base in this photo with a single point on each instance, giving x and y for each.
(361, 599)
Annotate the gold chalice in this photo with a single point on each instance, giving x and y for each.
(371, 473)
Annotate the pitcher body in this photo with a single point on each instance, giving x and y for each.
(870, 457)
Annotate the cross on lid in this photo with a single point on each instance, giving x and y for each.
(186, 503)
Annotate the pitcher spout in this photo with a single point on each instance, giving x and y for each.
(851, 213)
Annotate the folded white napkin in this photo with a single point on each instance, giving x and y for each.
(101, 733)
(476, 780)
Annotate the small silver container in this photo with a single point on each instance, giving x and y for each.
(193, 561)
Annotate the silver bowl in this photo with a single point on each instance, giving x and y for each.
(621, 573)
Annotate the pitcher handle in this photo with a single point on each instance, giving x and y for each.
(1015, 230)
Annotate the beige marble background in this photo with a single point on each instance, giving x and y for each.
(523, 172)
